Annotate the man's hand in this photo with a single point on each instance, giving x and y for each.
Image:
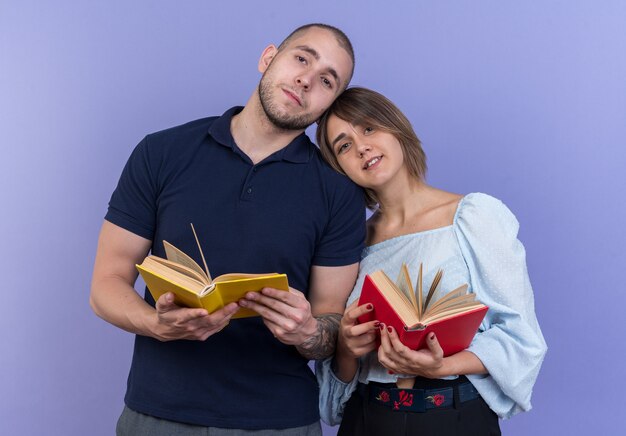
(311, 327)
(175, 322)
(287, 314)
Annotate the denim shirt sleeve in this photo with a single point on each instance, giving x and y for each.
(333, 392)
(509, 342)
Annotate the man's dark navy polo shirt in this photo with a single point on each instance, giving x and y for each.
(284, 214)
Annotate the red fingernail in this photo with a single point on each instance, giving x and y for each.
(381, 327)
(376, 324)
(390, 329)
(432, 337)
(390, 372)
(369, 306)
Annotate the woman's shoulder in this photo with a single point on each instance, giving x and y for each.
(481, 199)
(449, 204)
(480, 210)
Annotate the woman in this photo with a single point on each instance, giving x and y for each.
(390, 389)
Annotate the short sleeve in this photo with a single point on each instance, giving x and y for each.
(333, 392)
(133, 203)
(509, 342)
(343, 239)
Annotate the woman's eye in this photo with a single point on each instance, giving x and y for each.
(343, 147)
(327, 82)
(301, 59)
(368, 130)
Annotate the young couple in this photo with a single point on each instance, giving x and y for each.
(263, 199)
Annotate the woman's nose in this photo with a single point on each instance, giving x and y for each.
(363, 148)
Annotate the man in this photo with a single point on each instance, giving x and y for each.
(261, 200)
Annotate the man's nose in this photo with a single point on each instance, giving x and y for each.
(303, 81)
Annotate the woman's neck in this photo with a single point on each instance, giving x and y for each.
(411, 207)
(400, 201)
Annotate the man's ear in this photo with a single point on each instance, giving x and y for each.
(266, 57)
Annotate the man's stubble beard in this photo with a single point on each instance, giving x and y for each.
(281, 121)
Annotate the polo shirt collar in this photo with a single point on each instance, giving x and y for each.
(299, 150)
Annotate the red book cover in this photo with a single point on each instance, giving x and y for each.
(454, 334)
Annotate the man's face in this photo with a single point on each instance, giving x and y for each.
(302, 80)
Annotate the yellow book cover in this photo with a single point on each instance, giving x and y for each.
(193, 287)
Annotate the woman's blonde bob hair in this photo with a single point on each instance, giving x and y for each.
(364, 107)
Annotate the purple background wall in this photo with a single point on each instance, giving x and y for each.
(523, 100)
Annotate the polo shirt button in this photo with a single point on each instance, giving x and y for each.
(249, 191)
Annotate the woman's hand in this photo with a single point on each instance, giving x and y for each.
(400, 359)
(356, 340)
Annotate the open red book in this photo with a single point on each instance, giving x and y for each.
(454, 317)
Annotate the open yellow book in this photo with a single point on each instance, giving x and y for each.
(194, 287)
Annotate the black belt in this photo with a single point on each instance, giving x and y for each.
(416, 400)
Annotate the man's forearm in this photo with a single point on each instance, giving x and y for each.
(119, 304)
(322, 343)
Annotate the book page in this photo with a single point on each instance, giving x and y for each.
(206, 268)
(168, 265)
(396, 298)
(240, 276)
(462, 300)
(433, 288)
(461, 290)
(419, 291)
(404, 284)
(179, 276)
(449, 313)
(177, 256)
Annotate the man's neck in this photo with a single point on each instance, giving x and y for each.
(255, 135)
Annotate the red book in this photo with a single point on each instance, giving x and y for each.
(454, 318)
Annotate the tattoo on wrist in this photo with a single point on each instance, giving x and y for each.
(322, 344)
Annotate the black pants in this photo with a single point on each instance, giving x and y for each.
(471, 418)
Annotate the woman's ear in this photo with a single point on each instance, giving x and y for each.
(266, 57)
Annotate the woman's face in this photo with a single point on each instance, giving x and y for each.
(370, 157)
